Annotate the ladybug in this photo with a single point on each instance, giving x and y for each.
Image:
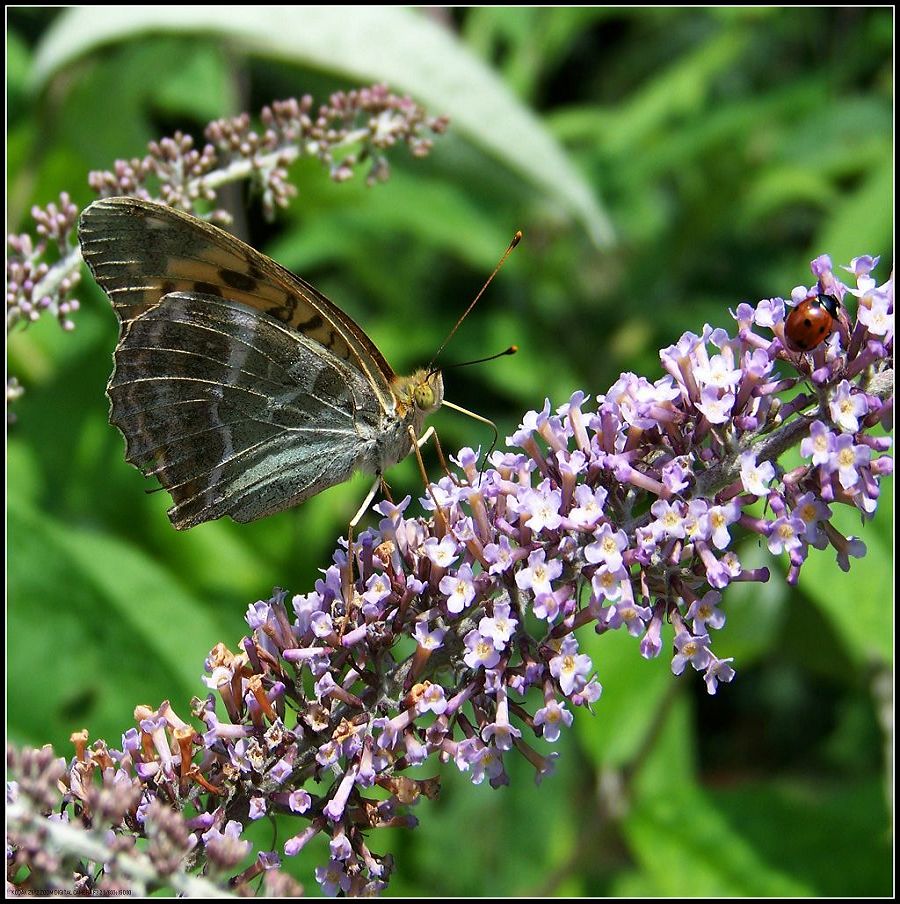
(811, 321)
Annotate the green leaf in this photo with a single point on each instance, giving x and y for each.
(857, 601)
(862, 220)
(635, 693)
(18, 62)
(688, 848)
(124, 631)
(201, 85)
(529, 44)
(750, 838)
(504, 860)
(755, 613)
(684, 845)
(781, 186)
(680, 91)
(22, 467)
(833, 837)
(394, 45)
(427, 209)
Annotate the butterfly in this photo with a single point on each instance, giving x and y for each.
(236, 384)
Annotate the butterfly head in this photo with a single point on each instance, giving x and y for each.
(422, 393)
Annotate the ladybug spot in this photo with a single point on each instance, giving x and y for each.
(807, 322)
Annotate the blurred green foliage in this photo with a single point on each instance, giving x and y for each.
(727, 148)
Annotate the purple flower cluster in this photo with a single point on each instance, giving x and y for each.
(32, 286)
(353, 127)
(619, 515)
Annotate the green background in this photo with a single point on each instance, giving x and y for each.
(664, 165)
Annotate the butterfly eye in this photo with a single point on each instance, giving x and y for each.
(424, 396)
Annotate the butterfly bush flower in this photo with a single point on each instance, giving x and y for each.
(618, 513)
(353, 128)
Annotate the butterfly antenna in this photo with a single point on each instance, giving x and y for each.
(507, 351)
(515, 241)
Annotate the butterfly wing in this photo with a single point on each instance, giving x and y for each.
(235, 413)
(140, 251)
(236, 384)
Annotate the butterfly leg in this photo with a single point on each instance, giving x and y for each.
(385, 489)
(443, 461)
(427, 435)
(379, 482)
(438, 511)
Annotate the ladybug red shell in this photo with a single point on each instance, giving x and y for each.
(811, 322)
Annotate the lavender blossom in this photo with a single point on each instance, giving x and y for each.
(623, 515)
(34, 286)
(353, 127)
